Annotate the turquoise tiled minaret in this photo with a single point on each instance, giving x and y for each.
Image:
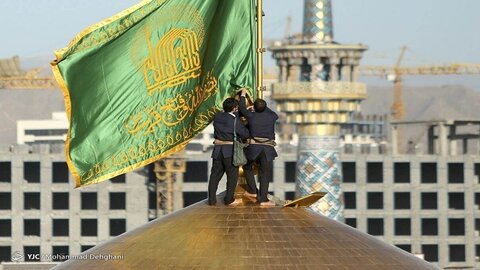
(317, 21)
(318, 92)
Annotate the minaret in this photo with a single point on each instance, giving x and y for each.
(317, 21)
(318, 91)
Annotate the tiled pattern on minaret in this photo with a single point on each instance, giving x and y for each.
(318, 169)
(317, 24)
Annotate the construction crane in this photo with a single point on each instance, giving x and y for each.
(12, 77)
(396, 74)
(398, 109)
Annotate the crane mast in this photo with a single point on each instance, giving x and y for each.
(397, 109)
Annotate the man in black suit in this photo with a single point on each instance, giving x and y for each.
(222, 154)
(261, 124)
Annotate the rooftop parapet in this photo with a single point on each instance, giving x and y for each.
(319, 90)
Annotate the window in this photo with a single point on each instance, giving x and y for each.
(430, 253)
(195, 147)
(290, 171)
(31, 227)
(119, 179)
(5, 200)
(348, 148)
(402, 226)
(349, 172)
(350, 200)
(374, 200)
(5, 172)
(429, 226)
(31, 172)
(193, 197)
(89, 200)
(477, 224)
(46, 132)
(152, 178)
(476, 171)
(196, 171)
(59, 253)
(290, 195)
(89, 227)
(457, 253)
(477, 250)
(60, 201)
(85, 248)
(401, 172)
(352, 222)
(456, 226)
(456, 200)
(5, 253)
(117, 226)
(152, 200)
(31, 200)
(476, 199)
(374, 172)
(406, 247)
(31, 253)
(429, 200)
(375, 226)
(402, 200)
(117, 200)
(5, 227)
(428, 172)
(60, 227)
(59, 172)
(455, 173)
(364, 149)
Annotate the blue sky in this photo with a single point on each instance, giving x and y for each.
(436, 31)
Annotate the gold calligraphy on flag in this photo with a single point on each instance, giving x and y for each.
(177, 45)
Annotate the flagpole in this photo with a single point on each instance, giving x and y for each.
(260, 49)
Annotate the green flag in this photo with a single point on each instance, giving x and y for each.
(139, 85)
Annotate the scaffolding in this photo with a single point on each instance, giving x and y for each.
(166, 172)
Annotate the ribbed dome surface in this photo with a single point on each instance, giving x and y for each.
(246, 237)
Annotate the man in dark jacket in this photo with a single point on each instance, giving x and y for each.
(222, 154)
(261, 124)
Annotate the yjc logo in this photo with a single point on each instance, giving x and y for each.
(33, 257)
(17, 256)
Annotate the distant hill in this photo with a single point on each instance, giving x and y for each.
(426, 103)
(449, 102)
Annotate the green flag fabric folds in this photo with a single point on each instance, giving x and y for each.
(139, 85)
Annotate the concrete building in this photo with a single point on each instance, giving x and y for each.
(41, 212)
(43, 131)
